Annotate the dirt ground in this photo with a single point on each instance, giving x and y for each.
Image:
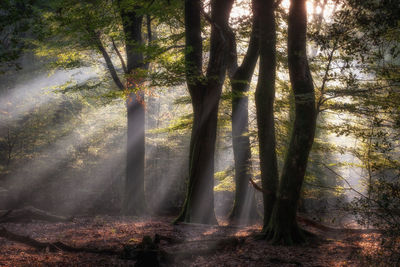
(197, 244)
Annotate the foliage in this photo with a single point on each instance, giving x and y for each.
(359, 48)
(18, 22)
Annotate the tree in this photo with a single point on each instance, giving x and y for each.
(244, 207)
(283, 225)
(90, 27)
(265, 94)
(369, 80)
(205, 92)
(16, 18)
(134, 199)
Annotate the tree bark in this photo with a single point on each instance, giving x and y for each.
(283, 226)
(134, 197)
(205, 93)
(244, 209)
(265, 96)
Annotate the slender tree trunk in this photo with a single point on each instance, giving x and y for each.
(265, 96)
(244, 209)
(283, 226)
(205, 93)
(134, 197)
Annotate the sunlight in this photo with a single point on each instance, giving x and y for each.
(202, 164)
(165, 183)
(312, 11)
(92, 190)
(25, 96)
(243, 8)
(56, 156)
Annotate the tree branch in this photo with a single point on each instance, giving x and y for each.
(119, 56)
(106, 56)
(257, 187)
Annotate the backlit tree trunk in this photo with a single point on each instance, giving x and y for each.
(205, 93)
(283, 226)
(244, 208)
(265, 95)
(134, 197)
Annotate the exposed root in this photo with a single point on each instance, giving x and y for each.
(193, 221)
(279, 236)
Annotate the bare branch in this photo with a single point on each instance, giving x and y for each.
(257, 187)
(119, 56)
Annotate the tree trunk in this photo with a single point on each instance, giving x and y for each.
(199, 203)
(134, 196)
(134, 200)
(265, 95)
(205, 93)
(244, 209)
(283, 226)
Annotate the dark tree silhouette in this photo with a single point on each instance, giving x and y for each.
(205, 92)
(282, 226)
(265, 95)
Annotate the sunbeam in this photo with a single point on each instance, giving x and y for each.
(199, 133)
(37, 170)
(25, 96)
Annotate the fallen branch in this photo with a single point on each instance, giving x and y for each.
(146, 253)
(28, 214)
(56, 246)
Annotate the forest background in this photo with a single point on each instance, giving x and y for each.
(66, 82)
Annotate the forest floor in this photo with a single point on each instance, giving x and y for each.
(190, 245)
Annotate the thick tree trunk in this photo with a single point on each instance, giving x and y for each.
(199, 203)
(283, 226)
(205, 94)
(134, 197)
(244, 209)
(265, 95)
